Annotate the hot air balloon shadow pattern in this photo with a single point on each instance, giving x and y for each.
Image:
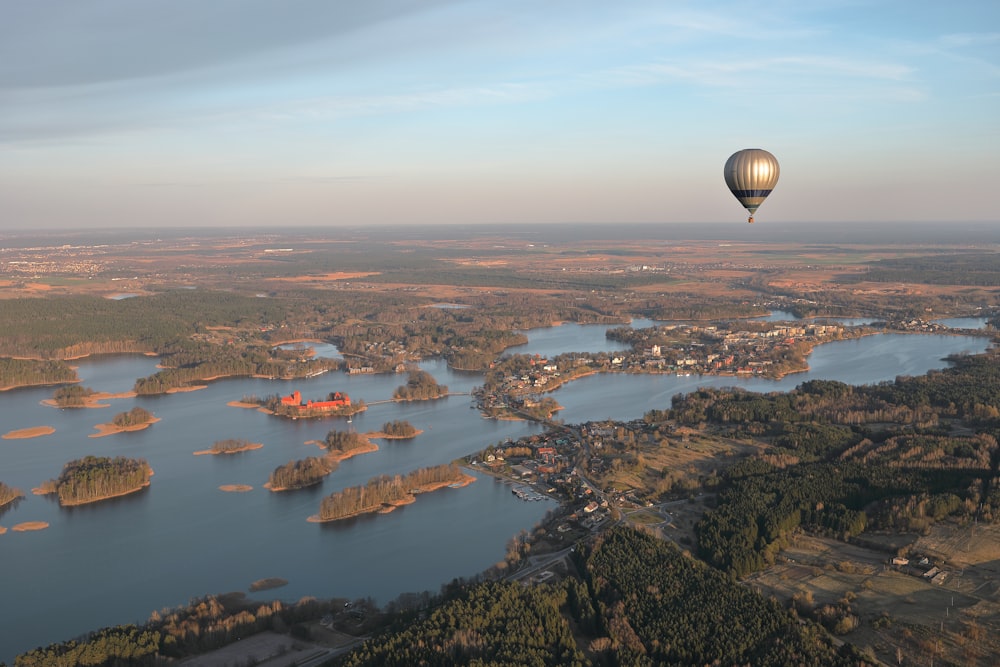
(751, 174)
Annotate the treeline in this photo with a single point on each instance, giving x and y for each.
(72, 396)
(978, 269)
(66, 326)
(134, 417)
(9, 496)
(385, 491)
(22, 372)
(204, 625)
(399, 428)
(194, 361)
(301, 474)
(420, 386)
(95, 478)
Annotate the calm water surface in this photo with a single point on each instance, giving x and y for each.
(116, 561)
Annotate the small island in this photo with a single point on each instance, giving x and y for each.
(267, 584)
(301, 474)
(74, 396)
(95, 478)
(28, 526)
(345, 444)
(33, 432)
(293, 406)
(383, 494)
(229, 446)
(421, 386)
(236, 488)
(135, 419)
(398, 429)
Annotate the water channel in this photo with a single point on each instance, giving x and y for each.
(119, 560)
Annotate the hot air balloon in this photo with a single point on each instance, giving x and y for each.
(751, 174)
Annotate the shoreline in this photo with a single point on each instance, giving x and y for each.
(39, 491)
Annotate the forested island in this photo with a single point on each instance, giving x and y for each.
(133, 420)
(334, 404)
(399, 429)
(301, 474)
(344, 444)
(95, 478)
(73, 396)
(421, 386)
(384, 493)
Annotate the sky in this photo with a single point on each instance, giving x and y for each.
(197, 113)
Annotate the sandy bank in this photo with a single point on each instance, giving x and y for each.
(242, 404)
(2, 530)
(342, 456)
(266, 584)
(92, 401)
(33, 432)
(30, 525)
(385, 436)
(236, 488)
(109, 429)
(246, 448)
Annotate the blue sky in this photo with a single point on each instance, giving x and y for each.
(332, 112)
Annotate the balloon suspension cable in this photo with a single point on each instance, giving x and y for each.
(750, 219)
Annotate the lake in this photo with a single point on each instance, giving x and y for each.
(119, 560)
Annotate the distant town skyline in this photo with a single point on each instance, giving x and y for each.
(258, 112)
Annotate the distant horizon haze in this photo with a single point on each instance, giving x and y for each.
(969, 233)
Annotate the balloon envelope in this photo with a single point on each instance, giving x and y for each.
(751, 174)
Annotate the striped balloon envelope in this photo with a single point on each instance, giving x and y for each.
(751, 174)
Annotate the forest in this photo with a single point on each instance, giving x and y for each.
(384, 492)
(638, 601)
(24, 372)
(845, 459)
(94, 478)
